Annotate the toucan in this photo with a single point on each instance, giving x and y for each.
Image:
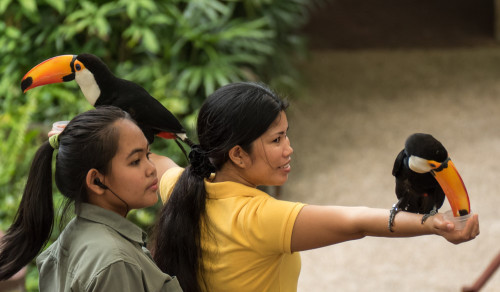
(425, 175)
(101, 87)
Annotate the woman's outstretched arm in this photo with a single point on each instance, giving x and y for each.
(318, 226)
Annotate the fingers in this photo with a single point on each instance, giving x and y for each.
(470, 231)
(52, 133)
(473, 226)
(57, 128)
(447, 230)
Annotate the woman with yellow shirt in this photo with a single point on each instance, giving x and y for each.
(218, 232)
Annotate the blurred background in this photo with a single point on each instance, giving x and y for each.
(361, 76)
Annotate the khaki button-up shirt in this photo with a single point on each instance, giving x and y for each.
(100, 250)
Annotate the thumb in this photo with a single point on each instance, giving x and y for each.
(442, 224)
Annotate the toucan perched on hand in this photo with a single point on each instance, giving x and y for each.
(101, 87)
(424, 176)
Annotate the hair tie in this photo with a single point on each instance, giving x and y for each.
(54, 141)
(200, 163)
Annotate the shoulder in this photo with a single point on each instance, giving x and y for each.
(162, 163)
(95, 245)
(83, 251)
(168, 181)
(267, 208)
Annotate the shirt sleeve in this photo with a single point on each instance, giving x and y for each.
(268, 224)
(126, 277)
(168, 181)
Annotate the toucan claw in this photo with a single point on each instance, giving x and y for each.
(431, 213)
(395, 209)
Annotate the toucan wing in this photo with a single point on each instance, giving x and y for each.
(398, 163)
(145, 109)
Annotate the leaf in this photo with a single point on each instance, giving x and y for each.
(76, 15)
(132, 9)
(58, 5)
(195, 80)
(184, 77)
(159, 19)
(149, 41)
(220, 77)
(3, 5)
(102, 26)
(208, 82)
(29, 5)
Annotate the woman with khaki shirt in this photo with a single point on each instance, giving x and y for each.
(103, 170)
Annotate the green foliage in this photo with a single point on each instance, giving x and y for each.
(180, 51)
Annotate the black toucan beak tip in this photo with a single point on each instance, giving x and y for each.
(26, 83)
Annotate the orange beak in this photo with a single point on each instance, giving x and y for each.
(54, 70)
(451, 182)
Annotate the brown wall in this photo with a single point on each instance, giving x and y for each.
(351, 24)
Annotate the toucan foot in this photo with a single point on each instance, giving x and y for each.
(394, 211)
(431, 213)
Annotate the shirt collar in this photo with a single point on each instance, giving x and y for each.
(227, 189)
(109, 218)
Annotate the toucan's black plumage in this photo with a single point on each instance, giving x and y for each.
(101, 87)
(418, 192)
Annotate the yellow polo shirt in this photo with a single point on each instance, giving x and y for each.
(249, 249)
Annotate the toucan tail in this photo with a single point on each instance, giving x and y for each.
(182, 148)
(185, 139)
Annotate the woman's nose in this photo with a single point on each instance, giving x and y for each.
(151, 170)
(288, 148)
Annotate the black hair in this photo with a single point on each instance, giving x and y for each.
(236, 114)
(89, 141)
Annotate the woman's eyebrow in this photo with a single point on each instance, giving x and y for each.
(137, 150)
(283, 132)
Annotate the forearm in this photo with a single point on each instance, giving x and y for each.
(374, 222)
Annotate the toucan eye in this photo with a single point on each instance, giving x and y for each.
(78, 67)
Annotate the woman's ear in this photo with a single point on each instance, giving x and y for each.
(239, 157)
(93, 181)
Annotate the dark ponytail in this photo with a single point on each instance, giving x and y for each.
(177, 248)
(236, 114)
(89, 141)
(34, 219)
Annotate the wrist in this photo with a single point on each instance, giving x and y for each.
(429, 225)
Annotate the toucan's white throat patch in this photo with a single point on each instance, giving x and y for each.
(88, 85)
(418, 164)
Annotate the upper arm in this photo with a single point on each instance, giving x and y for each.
(162, 164)
(318, 226)
(130, 278)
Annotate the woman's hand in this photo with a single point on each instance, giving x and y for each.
(446, 229)
(52, 133)
(57, 128)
